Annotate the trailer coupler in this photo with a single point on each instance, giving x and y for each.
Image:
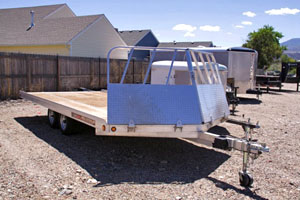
(250, 148)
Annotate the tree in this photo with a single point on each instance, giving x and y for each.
(286, 58)
(266, 42)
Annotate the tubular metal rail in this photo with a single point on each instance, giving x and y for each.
(191, 56)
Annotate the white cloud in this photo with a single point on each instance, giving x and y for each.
(210, 28)
(184, 27)
(283, 11)
(247, 23)
(249, 14)
(156, 33)
(239, 26)
(229, 33)
(189, 34)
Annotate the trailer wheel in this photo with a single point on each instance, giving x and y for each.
(246, 179)
(66, 124)
(53, 119)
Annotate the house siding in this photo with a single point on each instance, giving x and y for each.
(42, 49)
(97, 40)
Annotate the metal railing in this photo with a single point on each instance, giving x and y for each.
(193, 56)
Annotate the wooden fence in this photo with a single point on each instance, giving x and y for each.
(36, 73)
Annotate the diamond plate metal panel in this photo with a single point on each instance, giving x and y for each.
(153, 104)
(213, 102)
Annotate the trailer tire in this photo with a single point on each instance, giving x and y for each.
(53, 119)
(66, 124)
(246, 179)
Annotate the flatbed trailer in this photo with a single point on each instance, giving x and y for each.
(146, 110)
(90, 108)
(268, 81)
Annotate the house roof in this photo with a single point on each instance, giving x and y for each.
(14, 14)
(186, 44)
(131, 38)
(47, 31)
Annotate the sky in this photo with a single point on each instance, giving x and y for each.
(225, 22)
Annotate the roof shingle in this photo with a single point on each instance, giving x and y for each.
(14, 23)
(131, 38)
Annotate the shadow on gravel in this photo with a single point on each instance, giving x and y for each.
(225, 186)
(288, 91)
(277, 91)
(115, 160)
(252, 101)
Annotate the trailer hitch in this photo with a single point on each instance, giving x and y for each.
(250, 148)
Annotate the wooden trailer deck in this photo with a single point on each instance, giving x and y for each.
(94, 98)
(89, 107)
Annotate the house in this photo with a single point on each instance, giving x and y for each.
(186, 44)
(56, 30)
(139, 38)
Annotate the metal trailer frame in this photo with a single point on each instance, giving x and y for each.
(62, 110)
(285, 68)
(276, 81)
(268, 81)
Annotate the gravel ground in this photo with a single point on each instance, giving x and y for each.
(37, 162)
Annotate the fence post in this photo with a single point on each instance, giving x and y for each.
(99, 75)
(91, 73)
(58, 86)
(133, 71)
(28, 73)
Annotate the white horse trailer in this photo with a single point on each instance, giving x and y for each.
(184, 111)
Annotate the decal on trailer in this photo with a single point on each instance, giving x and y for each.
(82, 118)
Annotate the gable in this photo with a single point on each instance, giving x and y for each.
(97, 39)
(131, 38)
(148, 40)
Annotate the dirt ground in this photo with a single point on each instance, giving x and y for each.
(37, 162)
